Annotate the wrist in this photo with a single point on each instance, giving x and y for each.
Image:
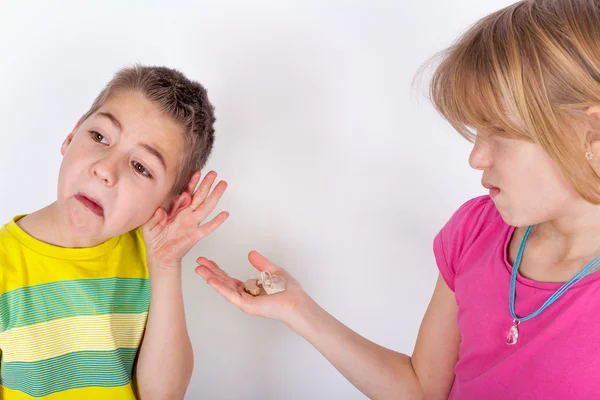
(156, 267)
(304, 316)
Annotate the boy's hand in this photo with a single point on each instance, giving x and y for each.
(169, 237)
(282, 306)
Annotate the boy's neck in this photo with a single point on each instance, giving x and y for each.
(48, 226)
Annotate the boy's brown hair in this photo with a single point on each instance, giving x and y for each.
(181, 99)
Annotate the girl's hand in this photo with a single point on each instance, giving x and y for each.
(282, 306)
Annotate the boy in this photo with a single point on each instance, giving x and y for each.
(77, 317)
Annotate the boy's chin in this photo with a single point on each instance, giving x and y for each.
(87, 224)
(83, 222)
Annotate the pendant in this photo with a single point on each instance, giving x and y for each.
(272, 283)
(513, 333)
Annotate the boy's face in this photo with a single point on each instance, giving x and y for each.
(119, 166)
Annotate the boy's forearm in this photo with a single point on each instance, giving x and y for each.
(378, 372)
(165, 362)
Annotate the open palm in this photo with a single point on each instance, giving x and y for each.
(169, 237)
(280, 306)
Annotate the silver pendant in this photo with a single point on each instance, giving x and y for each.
(513, 333)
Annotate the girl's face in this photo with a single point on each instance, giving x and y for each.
(526, 185)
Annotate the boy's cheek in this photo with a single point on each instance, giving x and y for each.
(143, 213)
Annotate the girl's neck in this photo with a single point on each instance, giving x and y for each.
(556, 250)
(573, 236)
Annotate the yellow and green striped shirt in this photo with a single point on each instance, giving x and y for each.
(71, 319)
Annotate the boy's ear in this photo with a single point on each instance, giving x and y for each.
(67, 142)
(179, 203)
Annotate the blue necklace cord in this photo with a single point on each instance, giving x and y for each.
(587, 270)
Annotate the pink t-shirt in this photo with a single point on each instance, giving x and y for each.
(557, 355)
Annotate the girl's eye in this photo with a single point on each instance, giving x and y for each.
(140, 169)
(96, 137)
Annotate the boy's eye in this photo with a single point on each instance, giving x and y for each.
(96, 137)
(140, 169)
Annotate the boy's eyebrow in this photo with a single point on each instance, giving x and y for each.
(155, 153)
(147, 147)
(112, 119)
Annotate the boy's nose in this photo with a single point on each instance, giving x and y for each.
(106, 171)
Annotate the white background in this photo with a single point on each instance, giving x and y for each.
(337, 169)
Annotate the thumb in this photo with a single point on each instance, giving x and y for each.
(261, 263)
(158, 216)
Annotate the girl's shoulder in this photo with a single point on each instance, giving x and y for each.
(476, 223)
(471, 218)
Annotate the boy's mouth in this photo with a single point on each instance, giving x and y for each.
(91, 204)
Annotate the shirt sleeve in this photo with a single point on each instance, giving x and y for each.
(457, 235)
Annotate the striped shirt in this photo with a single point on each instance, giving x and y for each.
(71, 319)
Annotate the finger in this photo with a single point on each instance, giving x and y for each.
(204, 272)
(195, 178)
(202, 260)
(261, 263)
(217, 272)
(212, 200)
(230, 294)
(158, 216)
(165, 219)
(225, 274)
(239, 285)
(212, 225)
(203, 189)
(207, 274)
(213, 267)
(206, 262)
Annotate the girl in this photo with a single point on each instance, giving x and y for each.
(516, 309)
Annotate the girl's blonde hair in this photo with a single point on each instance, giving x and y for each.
(528, 71)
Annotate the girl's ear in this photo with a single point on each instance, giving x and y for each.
(592, 136)
(593, 114)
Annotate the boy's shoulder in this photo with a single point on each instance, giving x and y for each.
(25, 260)
(8, 240)
(133, 242)
(13, 237)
